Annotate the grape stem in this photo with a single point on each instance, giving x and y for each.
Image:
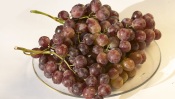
(107, 48)
(35, 52)
(45, 14)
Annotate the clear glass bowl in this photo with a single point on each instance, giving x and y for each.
(143, 75)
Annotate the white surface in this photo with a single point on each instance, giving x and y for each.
(18, 27)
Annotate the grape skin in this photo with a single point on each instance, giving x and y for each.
(113, 56)
(104, 90)
(93, 25)
(128, 64)
(63, 15)
(44, 41)
(139, 24)
(102, 58)
(89, 92)
(77, 11)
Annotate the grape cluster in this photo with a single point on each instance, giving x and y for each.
(95, 51)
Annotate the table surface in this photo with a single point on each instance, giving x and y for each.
(18, 27)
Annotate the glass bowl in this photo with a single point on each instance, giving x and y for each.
(143, 75)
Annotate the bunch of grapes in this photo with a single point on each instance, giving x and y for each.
(92, 51)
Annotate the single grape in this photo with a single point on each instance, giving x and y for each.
(77, 11)
(58, 29)
(117, 83)
(104, 79)
(89, 92)
(102, 14)
(69, 23)
(113, 73)
(68, 32)
(95, 69)
(136, 14)
(83, 73)
(112, 30)
(63, 15)
(113, 42)
(80, 61)
(83, 48)
(105, 25)
(124, 76)
(73, 51)
(150, 23)
(68, 81)
(158, 34)
(118, 67)
(88, 39)
(58, 38)
(128, 64)
(93, 25)
(68, 73)
(139, 24)
(113, 56)
(61, 50)
(126, 22)
(91, 81)
(124, 34)
(44, 41)
(102, 40)
(81, 27)
(47, 75)
(95, 5)
(77, 88)
(104, 90)
(125, 46)
(136, 57)
(43, 59)
(97, 49)
(63, 67)
(140, 36)
(57, 77)
(150, 35)
(102, 58)
(50, 67)
(114, 13)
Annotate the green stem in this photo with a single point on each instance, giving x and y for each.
(84, 17)
(34, 52)
(107, 48)
(45, 14)
(79, 37)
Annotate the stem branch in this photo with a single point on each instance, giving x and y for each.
(34, 52)
(45, 14)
